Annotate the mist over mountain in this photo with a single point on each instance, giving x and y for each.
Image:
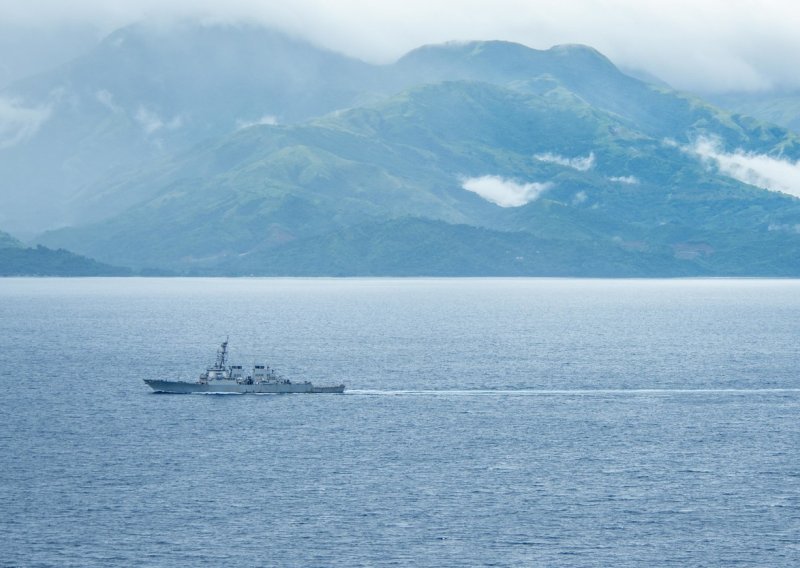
(144, 92)
(781, 107)
(27, 50)
(214, 149)
(9, 241)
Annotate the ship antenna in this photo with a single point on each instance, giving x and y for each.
(222, 354)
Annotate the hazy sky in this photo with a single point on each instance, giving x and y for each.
(712, 45)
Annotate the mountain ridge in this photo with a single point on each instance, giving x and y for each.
(142, 95)
(558, 144)
(377, 162)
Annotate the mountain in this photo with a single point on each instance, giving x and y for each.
(237, 150)
(42, 261)
(75, 134)
(18, 260)
(582, 72)
(8, 241)
(414, 154)
(144, 92)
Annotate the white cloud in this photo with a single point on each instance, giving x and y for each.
(19, 123)
(505, 192)
(579, 198)
(267, 119)
(630, 180)
(580, 163)
(151, 122)
(106, 99)
(763, 171)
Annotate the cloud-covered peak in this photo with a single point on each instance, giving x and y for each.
(675, 41)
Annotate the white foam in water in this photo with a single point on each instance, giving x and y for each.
(588, 392)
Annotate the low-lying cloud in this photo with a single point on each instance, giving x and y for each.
(19, 123)
(629, 180)
(151, 122)
(580, 163)
(266, 120)
(505, 192)
(760, 170)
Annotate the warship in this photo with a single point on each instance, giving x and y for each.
(222, 378)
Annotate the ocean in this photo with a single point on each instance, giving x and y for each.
(486, 422)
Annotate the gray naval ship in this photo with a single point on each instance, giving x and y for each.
(222, 378)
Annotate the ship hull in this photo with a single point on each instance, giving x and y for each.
(184, 387)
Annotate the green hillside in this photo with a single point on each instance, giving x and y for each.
(269, 187)
(42, 261)
(420, 247)
(18, 260)
(211, 146)
(147, 91)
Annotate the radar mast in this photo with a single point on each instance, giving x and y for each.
(222, 355)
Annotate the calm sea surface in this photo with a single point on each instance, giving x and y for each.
(503, 422)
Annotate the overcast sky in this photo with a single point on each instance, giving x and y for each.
(701, 45)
